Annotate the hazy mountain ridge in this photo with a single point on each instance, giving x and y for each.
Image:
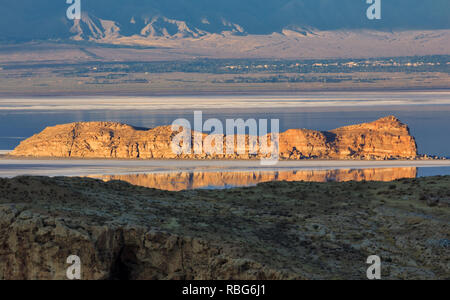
(239, 29)
(90, 27)
(46, 19)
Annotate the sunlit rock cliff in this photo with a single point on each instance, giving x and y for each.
(386, 138)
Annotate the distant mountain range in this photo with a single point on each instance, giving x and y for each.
(46, 19)
(238, 28)
(92, 28)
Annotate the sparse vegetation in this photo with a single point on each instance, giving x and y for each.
(295, 229)
(207, 75)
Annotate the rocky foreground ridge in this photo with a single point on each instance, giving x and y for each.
(279, 230)
(386, 138)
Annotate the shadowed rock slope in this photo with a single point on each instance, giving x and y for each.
(273, 231)
(386, 138)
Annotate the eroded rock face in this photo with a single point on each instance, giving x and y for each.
(44, 221)
(279, 230)
(386, 138)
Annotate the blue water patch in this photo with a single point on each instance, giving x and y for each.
(439, 171)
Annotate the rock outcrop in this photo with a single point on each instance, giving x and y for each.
(386, 138)
(276, 230)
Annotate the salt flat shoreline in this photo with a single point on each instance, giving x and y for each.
(224, 101)
(11, 167)
(216, 93)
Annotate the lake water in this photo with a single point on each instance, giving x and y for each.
(174, 175)
(426, 113)
(178, 181)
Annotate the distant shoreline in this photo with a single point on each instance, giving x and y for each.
(279, 92)
(250, 102)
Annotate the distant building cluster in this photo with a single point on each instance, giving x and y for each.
(338, 65)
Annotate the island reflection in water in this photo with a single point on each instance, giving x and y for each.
(177, 181)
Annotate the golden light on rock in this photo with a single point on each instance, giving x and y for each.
(386, 138)
(177, 181)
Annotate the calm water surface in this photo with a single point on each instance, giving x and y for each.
(426, 113)
(177, 181)
(430, 125)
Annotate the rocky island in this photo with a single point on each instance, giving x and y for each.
(386, 138)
